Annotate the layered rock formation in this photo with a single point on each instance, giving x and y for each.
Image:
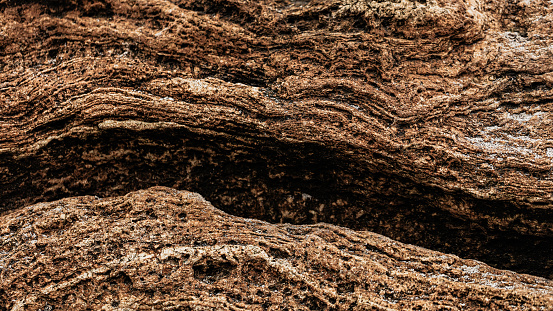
(427, 121)
(163, 249)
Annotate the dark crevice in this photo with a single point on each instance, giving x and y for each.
(267, 179)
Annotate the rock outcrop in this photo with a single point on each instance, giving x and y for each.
(163, 249)
(426, 121)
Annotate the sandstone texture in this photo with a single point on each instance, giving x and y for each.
(163, 249)
(427, 121)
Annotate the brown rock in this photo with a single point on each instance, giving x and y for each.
(163, 249)
(427, 121)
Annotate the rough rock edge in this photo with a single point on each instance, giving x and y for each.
(163, 249)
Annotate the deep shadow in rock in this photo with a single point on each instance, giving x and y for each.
(300, 183)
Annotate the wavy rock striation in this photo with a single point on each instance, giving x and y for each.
(426, 121)
(163, 249)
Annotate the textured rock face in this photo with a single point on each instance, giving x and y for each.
(427, 121)
(166, 249)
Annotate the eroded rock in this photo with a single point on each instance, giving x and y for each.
(427, 121)
(163, 249)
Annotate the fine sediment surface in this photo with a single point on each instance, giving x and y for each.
(426, 121)
(163, 249)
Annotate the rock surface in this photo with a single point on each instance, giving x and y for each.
(427, 121)
(163, 249)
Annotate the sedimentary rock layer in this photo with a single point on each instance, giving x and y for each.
(427, 121)
(166, 249)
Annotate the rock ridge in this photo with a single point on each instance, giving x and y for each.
(164, 249)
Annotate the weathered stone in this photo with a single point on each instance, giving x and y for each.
(163, 249)
(427, 121)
